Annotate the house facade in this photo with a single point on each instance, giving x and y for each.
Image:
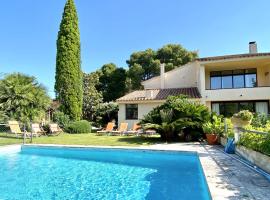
(225, 84)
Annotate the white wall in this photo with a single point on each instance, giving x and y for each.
(143, 109)
(181, 77)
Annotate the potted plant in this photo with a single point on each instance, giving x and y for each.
(213, 130)
(211, 137)
(241, 119)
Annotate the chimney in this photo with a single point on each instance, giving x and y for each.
(253, 47)
(149, 94)
(162, 76)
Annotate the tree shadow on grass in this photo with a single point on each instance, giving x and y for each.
(140, 140)
(9, 136)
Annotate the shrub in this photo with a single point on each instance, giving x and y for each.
(214, 127)
(61, 119)
(259, 120)
(256, 142)
(244, 115)
(82, 126)
(175, 115)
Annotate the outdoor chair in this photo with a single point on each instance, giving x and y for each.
(136, 130)
(150, 132)
(121, 130)
(55, 129)
(36, 130)
(15, 129)
(107, 130)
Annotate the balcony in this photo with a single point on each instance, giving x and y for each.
(237, 94)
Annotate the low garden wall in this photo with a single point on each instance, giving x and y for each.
(257, 158)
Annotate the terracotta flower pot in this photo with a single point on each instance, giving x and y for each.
(212, 139)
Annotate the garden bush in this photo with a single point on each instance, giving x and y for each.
(82, 126)
(244, 115)
(176, 114)
(256, 142)
(61, 119)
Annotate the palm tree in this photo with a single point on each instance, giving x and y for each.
(22, 97)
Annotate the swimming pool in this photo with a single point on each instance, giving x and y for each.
(95, 173)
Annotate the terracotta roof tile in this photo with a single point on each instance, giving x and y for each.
(160, 94)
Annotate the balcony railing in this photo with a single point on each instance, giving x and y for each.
(236, 94)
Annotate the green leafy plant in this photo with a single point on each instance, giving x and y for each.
(176, 114)
(22, 98)
(256, 142)
(259, 120)
(216, 126)
(244, 115)
(61, 119)
(82, 126)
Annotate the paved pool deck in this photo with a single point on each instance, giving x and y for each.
(227, 178)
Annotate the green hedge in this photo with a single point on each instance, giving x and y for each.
(82, 126)
(256, 142)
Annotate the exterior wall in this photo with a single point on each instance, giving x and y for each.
(240, 94)
(143, 109)
(185, 76)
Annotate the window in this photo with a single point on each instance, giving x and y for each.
(131, 111)
(227, 109)
(215, 82)
(233, 79)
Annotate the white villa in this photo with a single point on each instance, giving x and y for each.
(226, 84)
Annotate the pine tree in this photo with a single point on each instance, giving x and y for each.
(68, 85)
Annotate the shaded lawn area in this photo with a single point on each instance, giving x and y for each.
(7, 139)
(84, 139)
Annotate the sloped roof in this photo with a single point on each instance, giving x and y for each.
(160, 94)
(225, 57)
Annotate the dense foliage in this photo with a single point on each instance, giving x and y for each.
(68, 85)
(144, 65)
(106, 112)
(22, 98)
(245, 115)
(112, 82)
(176, 114)
(61, 119)
(256, 142)
(92, 98)
(82, 126)
(215, 126)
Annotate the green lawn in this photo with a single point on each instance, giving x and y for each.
(85, 139)
(6, 139)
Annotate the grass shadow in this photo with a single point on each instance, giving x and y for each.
(141, 140)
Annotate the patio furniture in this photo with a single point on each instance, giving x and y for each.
(107, 130)
(55, 129)
(136, 130)
(15, 129)
(37, 130)
(121, 130)
(150, 132)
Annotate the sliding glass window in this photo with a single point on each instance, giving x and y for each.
(233, 79)
(227, 109)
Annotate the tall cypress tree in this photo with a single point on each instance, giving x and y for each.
(68, 84)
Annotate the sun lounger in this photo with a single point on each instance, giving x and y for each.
(36, 130)
(107, 130)
(121, 130)
(136, 130)
(55, 129)
(15, 129)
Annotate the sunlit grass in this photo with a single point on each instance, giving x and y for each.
(84, 139)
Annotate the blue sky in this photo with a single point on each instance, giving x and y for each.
(112, 29)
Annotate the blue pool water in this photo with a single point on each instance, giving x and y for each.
(74, 173)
